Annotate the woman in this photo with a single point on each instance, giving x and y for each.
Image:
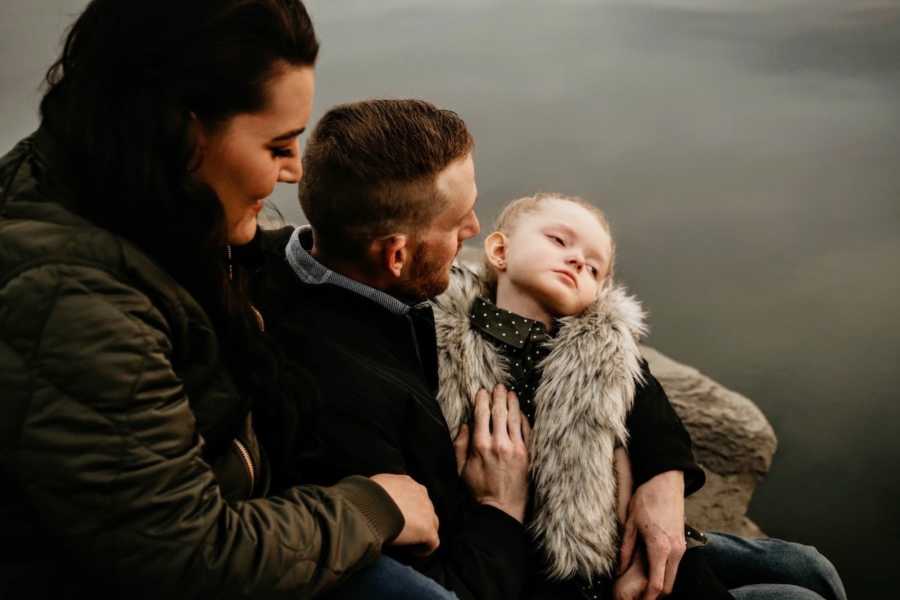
(130, 359)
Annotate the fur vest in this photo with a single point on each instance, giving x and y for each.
(581, 404)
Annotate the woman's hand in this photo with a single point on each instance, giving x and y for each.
(420, 526)
(495, 460)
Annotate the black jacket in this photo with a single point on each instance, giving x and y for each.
(110, 379)
(376, 374)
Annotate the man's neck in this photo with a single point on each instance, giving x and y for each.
(347, 268)
(514, 300)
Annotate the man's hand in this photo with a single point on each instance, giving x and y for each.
(656, 512)
(496, 456)
(420, 526)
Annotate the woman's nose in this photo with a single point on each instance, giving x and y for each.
(291, 170)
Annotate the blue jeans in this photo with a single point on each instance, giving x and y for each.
(771, 569)
(387, 578)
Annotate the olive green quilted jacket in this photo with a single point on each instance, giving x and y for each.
(108, 375)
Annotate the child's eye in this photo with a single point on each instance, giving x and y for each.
(287, 152)
(594, 270)
(556, 239)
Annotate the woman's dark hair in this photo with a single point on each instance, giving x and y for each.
(120, 102)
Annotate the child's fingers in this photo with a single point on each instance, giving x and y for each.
(671, 571)
(629, 542)
(461, 447)
(631, 584)
(624, 483)
(656, 559)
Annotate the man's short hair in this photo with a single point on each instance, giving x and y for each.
(370, 170)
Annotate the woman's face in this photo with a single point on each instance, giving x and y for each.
(246, 156)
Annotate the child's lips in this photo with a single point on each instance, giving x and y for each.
(567, 276)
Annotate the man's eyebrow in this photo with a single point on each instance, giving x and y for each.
(289, 135)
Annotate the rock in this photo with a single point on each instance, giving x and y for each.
(733, 442)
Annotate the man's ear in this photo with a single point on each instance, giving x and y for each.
(391, 253)
(495, 250)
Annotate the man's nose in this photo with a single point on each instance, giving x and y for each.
(471, 229)
(476, 226)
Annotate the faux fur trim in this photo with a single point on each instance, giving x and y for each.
(583, 399)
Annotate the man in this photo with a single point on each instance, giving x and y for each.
(389, 190)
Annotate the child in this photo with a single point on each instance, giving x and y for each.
(546, 320)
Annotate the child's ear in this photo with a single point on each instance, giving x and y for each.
(495, 250)
(391, 253)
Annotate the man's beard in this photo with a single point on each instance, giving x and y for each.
(428, 277)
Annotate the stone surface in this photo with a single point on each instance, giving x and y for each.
(733, 442)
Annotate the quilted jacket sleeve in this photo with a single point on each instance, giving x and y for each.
(97, 435)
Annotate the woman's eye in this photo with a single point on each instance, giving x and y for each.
(282, 152)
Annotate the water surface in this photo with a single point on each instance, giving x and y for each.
(748, 154)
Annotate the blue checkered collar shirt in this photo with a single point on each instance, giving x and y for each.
(312, 272)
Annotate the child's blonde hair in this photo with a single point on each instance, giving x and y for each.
(513, 211)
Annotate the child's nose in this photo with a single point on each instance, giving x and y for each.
(577, 262)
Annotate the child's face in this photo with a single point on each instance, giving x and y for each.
(559, 256)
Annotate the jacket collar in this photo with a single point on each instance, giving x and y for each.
(312, 272)
(504, 326)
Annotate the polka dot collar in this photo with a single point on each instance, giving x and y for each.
(504, 326)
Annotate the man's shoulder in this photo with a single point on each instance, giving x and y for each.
(274, 241)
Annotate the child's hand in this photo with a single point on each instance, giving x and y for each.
(631, 584)
(624, 483)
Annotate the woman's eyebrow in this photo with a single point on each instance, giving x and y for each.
(290, 134)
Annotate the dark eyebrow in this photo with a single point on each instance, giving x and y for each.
(289, 135)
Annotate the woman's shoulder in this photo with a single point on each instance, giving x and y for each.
(44, 247)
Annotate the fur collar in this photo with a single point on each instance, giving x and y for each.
(585, 393)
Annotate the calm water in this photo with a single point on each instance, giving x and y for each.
(748, 154)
